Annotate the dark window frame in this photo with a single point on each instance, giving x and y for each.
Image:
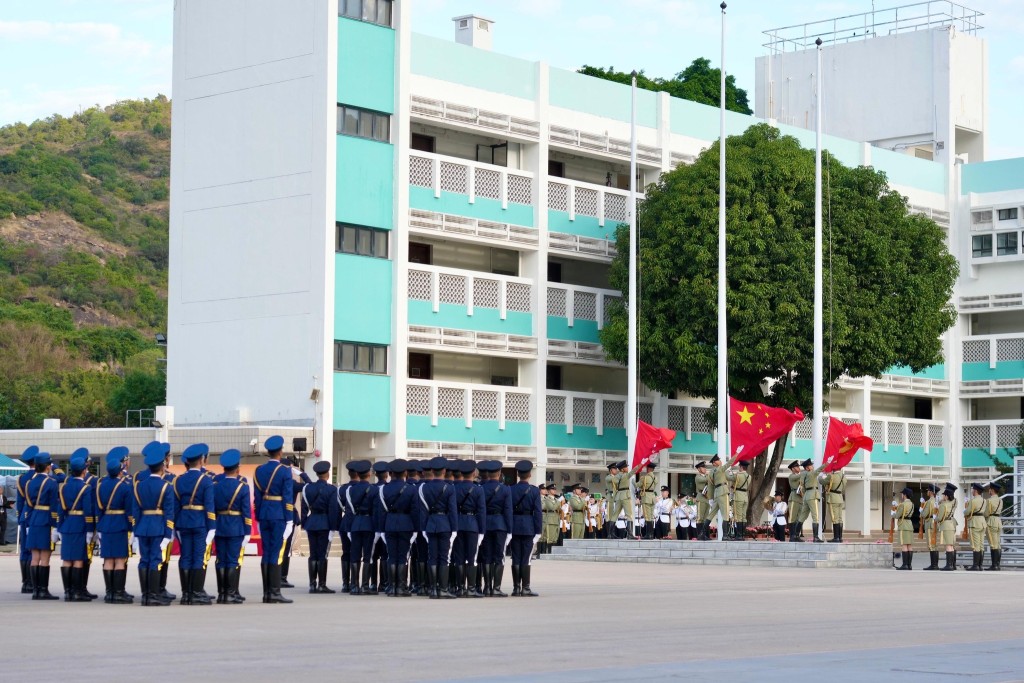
(365, 359)
(358, 233)
(983, 251)
(379, 122)
(383, 11)
(1003, 243)
(1008, 214)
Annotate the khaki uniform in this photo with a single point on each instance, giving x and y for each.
(904, 523)
(974, 517)
(645, 489)
(619, 498)
(947, 523)
(703, 484)
(994, 521)
(549, 508)
(740, 496)
(928, 523)
(812, 494)
(578, 518)
(719, 478)
(796, 497)
(835, 487)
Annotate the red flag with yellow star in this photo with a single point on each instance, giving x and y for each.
(754, 426)
(842, 443)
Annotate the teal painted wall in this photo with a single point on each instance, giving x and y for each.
(700, 444)
(482, 320)
(978, 457)
(362, 403)
(587, 226)
(366, 65)
(993, 176)
(933, 372)
(362, 299)
(1007, 369)
(365, 182)
(458, 204)
(418, 428)
(701, 121)
(582, 330)
(903, 169)
(577, 92)
(916, 456)
(586, 437)
(446, 60)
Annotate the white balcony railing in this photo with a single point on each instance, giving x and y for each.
(577, 350)
(689, 418)
(580, 303)
(583, 246)
(893, 433)
(981, 303)
(991, 435)
(678, 158)
(470, 340)
(940, 217)
(606, 204)
(899, 384)
(993, 348)
(467, 402)
(470, 289)
(461, 176)
(460, 113)
(601, 411)
(992, 387)
(471, 228)
(601, 143)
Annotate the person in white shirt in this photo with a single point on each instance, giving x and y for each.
(639, 521)
(663, 514)
(779, 510)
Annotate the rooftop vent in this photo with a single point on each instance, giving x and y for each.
(474, 30)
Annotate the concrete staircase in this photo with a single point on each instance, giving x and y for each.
(732, 553)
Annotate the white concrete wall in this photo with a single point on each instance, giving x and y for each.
(252, 211)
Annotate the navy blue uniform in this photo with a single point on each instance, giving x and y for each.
(439, 519)
(41, 511)
(498, 501)
(114, 507)
(234, 519)
(274, 507)
(317, 502)
(154, 511)
(527, 521)
(196, 517)
(471, 505)
(396, 506)
(77, 519)
(359, 501)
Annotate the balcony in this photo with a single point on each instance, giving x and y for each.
(468, 300)
(603, 143)
(578, 313)
(987, 303)
(471, 229)
(993, 365)
(906, 441)
(910, 385)
(596, 248)
(585, 209)
(472, 117)
(940, 217)
(456, 412)
(449, 185)
(989, 437)
(490, 343)
(584, 421)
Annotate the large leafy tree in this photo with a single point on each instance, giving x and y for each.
(888, 279)
(697, 83)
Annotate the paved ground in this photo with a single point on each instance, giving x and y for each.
(594, 622)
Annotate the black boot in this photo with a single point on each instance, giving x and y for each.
(442, 582)
(84, 587)
(471, 575)
(497, 574)
(185, 578)
(353, 571)
(364, 586)
(199, 594)
(162, 589)
(425, 588)
(392, 581)
(457, 586)
(322, 577)
(839, 527)
(78, 584)
(285, 566)
(371, 586)
(977, 559)
(143, 587)
(313, 569)
(26, 578)
(910, 559)
(232, 576)
(346, 574)
(402, 590)
(950, 562)
(118, 579)
(155, 597)
(487, 572)
(517, 581)
(814, 532)
(108, 585)
(432, 582)
(274, 584)
(524, 572)
(835, 534)
(741, 531)
(384, 581)
(265, 574)
(65, 579)
(933, 557)
(996, 555)
(41, 582)
(221, 585)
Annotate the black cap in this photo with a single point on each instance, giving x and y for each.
(665, 488)
(622, 464)
(907, 491)
(578, 485)
(794, 465)
(651, 464)
(437, 464)
(524, 466)
(932, 487)
(381, 466)
(398, 466)
(415, 466)
(978, 487)
(359, 466)
(744, 464)
(701, 464)
(949, 493)
(613, 466)
(807, 463)
(322, 467)
(994, 486)
(780, 494)
(469, 466)
(950, 485)
(715, 458)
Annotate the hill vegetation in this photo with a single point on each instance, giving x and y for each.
(83, 264)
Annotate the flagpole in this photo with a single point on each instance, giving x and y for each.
(634, 299)
(723, 366)
(819, 340)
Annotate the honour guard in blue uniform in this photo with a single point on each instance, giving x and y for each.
(498, 501)
(472, 508)
(154, 509)
(275, 511)
(114, 524)
(317, 501)
(299, 479)
(527, 523)
(234, 526)
(343, 524)
(439, 520)
(169, 477)
(358, 501)
(41, 501)
(395, 507)
(379, 556)
(77, 525)
(195, 525)
(418, 555)
(21, 515)
(91, 480)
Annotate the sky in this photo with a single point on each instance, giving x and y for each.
(57, 56)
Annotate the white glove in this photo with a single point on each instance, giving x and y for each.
(349, 534)
(376, 537)
(209, 536)
(893, 514)
(454, 534)
(384, 538)
(135, 545)
(415, 535)
(508, 539)
(333, 536)
(54, 536)
(288, 529)
(90, 537)
(479, 541)
(98, 537)
(245, 543)
(922, 500)
(164, 542)
(536, 538)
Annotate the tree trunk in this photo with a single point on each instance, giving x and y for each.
(763, 473)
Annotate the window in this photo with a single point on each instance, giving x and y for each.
(981, 217)
(352, 357)
(981, 246)
(1006, 243)
(364, 123)
(373, 11)
(1007, 214)
(422, 143)
(362, 241)
(556, 168)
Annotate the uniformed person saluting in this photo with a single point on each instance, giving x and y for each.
(113, 526)
(154, 509)
(974, 518)
(527, 524)
(234, 526)
(719, 479)
(439, 520)
(905, 527)
(316, 509)
(77, 524)
(498, 500)
(993, 512)
(617, 483)
(274, 512)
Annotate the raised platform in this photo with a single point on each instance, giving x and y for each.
(733, 553)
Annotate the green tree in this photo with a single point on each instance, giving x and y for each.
(140, 391)
(80, 399)
(697, 83)
(888, 279)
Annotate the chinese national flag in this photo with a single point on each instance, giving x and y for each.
(754, 426)
(650, 440)
(842, 443)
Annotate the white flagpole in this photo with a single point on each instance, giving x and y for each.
(819, 340)
(723, 364)
(634, 299)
